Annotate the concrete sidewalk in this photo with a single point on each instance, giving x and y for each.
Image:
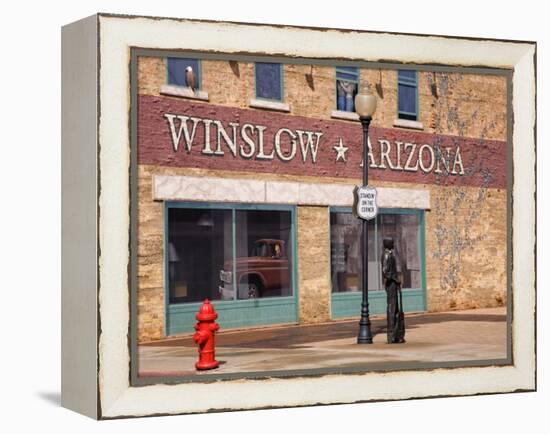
(431, 337)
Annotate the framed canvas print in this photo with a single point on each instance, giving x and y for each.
(265, 216)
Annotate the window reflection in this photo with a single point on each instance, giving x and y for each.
(403, 228)
(345, 237)
(226, 254)
(346, 266)
(264, 258)
(199, 242)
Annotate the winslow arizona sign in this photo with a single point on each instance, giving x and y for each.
(174, 132)
(248, 141)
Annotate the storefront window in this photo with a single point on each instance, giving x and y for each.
(228, 254)
(199, 244)
(345, 237)
(345, 246)
(264, 254)
(403, 228)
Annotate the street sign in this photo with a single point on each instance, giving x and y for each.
(365, 207)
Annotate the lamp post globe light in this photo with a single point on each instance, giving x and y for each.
(365, 106)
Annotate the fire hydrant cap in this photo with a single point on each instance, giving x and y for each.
(206, 312)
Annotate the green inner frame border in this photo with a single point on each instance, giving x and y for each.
(136, 52)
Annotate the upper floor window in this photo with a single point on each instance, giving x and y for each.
(177, 73)
(407, 95)
(269, 81)
(347, 82)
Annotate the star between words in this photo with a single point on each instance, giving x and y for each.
(247, 141)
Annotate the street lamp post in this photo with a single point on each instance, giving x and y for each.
(365, 106)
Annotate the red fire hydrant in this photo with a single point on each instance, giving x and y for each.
(204, 337)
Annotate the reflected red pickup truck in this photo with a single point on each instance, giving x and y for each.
(262, 274)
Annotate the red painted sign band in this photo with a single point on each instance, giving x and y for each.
(182, 133)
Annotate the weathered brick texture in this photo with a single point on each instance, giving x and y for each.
(313, 264)
(150, 260)
(466, 227)
(481, 270)
(469, 105)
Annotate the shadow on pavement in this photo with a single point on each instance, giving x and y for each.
(292, 336)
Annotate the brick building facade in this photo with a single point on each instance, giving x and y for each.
(230, 163)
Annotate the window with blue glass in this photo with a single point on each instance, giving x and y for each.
(347, 83)
(407, 81)
(176, 71)
(269, 81)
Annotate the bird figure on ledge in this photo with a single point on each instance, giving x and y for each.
(190, 78)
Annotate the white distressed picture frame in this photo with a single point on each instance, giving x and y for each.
(96, 221)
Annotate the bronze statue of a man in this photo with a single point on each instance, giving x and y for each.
(395, 316)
